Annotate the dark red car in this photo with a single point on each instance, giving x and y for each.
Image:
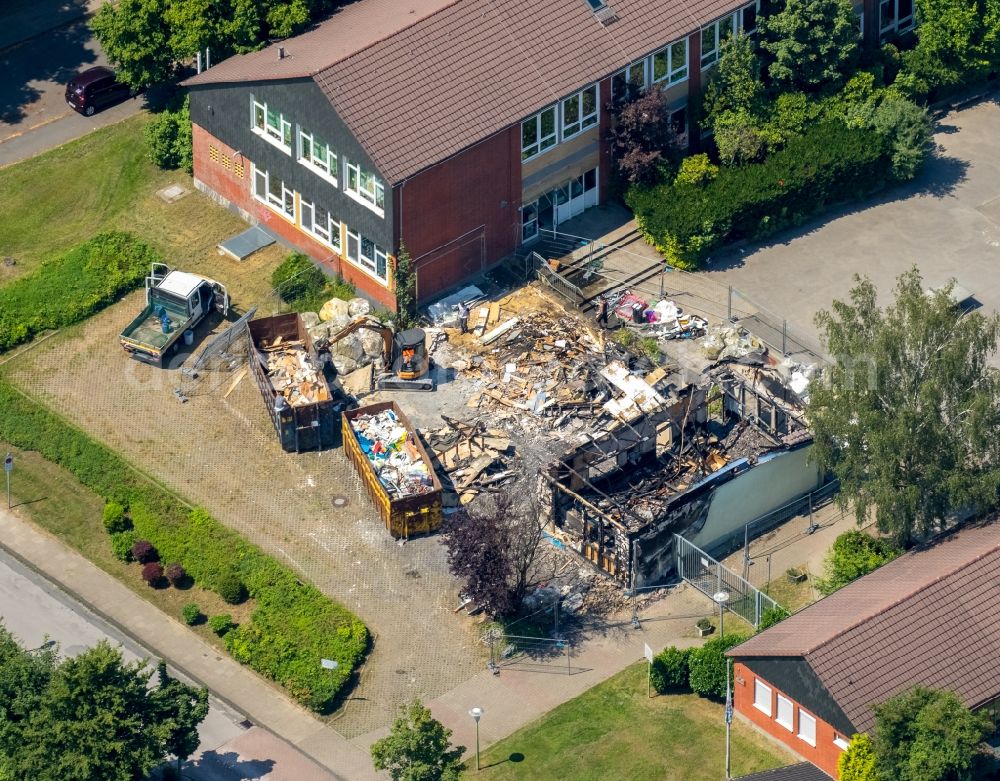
(94, 89)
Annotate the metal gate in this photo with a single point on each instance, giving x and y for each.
(528, 653)
(696, 567)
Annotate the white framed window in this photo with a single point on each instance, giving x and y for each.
(670, 64)
(679, 123)
(629, 81)
(579, 111)
(364, 187)
(318, 222)
(762, 697)
(529, 222)
(841, 742)
(807, 728)
(786, 713)
(271, 191)
(270, 125)
(713, 36)
(366, 255)
(317, 156)
(538, 133)
(895, 17)
(748, 18)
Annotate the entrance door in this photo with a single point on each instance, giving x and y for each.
(571, 199)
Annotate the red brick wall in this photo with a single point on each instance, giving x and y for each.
(462, 216)
(220, 171)
(824, 755)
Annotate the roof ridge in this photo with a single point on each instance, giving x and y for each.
(384, 38)
(868, 617)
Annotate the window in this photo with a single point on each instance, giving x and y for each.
(679, 123)
(716, 34)
(807, 728)
(529, 222)
(318, 156)
(273, 192)
(669, 65)
(841, 742)
(762, 697)
(320, 223)
(786, 712)
(579, 111)
(895, 17)
(629, 82)
(538, 133)
(271, 126)
(365, 254)
(364, 187)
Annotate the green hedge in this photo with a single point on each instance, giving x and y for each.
(828, 164)
(68, 289)
(670, 672)
(293, 625)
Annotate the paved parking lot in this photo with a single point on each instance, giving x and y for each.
(947, 223)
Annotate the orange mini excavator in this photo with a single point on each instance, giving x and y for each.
(406, 365)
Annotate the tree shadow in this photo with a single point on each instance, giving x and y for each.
(55, 57)
(230, 766)
(939, 178)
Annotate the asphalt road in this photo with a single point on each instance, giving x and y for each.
(34, 116)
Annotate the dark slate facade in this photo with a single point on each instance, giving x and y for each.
(224, 110)
(796, 679)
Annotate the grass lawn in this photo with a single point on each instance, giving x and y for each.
(102, 182)
(792, 596)
(54, 499)
(614, 732)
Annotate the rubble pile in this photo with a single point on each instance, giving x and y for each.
(293, 373)
(724, 342)
(471, 458)
(541, 364)
(393, 456)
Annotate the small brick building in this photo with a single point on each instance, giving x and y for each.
(928, 618)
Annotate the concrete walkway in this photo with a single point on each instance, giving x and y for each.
(237, 686)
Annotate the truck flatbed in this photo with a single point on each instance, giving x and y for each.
(147, 329)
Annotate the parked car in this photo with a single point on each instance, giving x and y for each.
(94, 89)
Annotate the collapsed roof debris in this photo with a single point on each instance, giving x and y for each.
(293, 372)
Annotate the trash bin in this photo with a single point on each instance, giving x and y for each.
(188, 337)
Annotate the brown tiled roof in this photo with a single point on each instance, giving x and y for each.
(929, 617)
(803, 771)
(466, 70)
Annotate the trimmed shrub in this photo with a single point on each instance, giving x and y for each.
(121, 544)
(302, 284)
(707, 665)
(221, 624)
(854, 553)
(696, 169)
(292, 625)
(66, 290)
(191, 613)
(772, 616)
(152, 573)
(231, 588)
(114, 518)
(828, 164)
(168, 138)
(176, 574)
(143, 551)
(670, 670)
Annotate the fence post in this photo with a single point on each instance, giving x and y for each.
(729, 309)
(784, 337)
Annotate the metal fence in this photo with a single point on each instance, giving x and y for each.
(528, 653)
(709, 576)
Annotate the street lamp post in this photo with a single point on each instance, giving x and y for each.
(477, 714)
(721, 598)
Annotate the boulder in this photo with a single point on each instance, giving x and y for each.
(317, 332)
(371, 343)
(335, 311)
(357, 307)
(309, 319)
(350, 347)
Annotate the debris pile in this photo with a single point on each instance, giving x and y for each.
(545, 365)
(293, 373)
(393, 456)
(727, 343)
(471, 458)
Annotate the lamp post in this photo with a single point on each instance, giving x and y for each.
(721, 598)
(477, 714)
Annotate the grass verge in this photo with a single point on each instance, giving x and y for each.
(294, 624)
(614, 731)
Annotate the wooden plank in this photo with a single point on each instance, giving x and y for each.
(500, 330)
(236, 381)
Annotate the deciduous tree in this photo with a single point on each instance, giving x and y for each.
(135, 35)
(418, 748)
(854, 553)
(858, 761)
(644, 138)
(928, 735)
(180, 709)
(812, 43)
(908, 415)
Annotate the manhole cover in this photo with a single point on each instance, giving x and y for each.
(172, 193)
(340, 501)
